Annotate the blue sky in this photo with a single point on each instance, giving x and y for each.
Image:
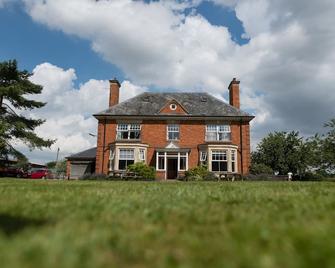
(32, 43)
(285, 66)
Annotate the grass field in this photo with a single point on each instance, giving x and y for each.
(151, 224)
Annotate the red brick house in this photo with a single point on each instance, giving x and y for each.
(173, 132)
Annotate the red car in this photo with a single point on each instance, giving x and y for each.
(39, 174)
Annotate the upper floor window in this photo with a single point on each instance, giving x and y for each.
(128, 131)
(173, 132)
(218, 133)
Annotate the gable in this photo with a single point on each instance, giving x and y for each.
(173, 107)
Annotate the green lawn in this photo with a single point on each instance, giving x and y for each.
(151, 224)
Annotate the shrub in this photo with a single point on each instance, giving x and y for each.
(260, 169)
(198, 173)
(142, 170)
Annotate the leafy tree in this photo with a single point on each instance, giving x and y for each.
(283, 152)
(328, 147)
(14, 86)
(51, 164)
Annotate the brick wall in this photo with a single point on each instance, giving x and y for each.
(154, 133)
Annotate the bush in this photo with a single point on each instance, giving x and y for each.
(142, 170)
(260, 169)
(94, 176)
(198, 173)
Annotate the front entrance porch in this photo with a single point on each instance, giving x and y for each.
(172, 162)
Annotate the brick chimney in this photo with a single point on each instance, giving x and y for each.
(114, 92)
(234, 93)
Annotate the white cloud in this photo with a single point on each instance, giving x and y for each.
(285, 69)
(69, 110)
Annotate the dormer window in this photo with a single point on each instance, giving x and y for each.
(128, 131)
(218, 133)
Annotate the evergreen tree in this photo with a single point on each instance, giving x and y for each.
(14, 86)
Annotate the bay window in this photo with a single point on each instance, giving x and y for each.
(128, 131)
(218, 133)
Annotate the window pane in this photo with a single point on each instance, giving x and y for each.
(122, 127)
(126, 154)
(173, 135)
(160, 162)
(134, 134)
(215, 166)
(122, 164)
(134, 127)
(211, 136)
(182, 165)
(211, 128)
(233, 166)
(141, 155)
(203, 156)
(223, 166)
(224, 128)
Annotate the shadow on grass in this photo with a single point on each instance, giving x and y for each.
(10, 225)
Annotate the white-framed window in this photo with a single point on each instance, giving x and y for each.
(141, 155)
(218, 133)
(173, 132)
(182, 162)
(219, 160)
(203, 157)
(128, 131)
(233, 160)
(111, 158)
(160, 161)
(126, 158)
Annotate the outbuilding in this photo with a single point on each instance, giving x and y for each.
(81, 164)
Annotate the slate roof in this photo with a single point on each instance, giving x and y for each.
(196, 104)
(87, 154)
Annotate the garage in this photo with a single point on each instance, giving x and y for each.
(81, 164)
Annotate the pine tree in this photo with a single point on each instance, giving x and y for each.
(14, 86)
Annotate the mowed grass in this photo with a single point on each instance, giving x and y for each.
(151, 224)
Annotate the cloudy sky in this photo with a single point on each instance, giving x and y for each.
(283, 52)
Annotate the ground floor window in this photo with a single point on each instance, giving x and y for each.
(222, 160)
(126, 158)
(141, 155)
(233, 160)
(160, 161)
(219, 160)
(182, 161)
(203, 157)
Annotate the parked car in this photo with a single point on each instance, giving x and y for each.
(42, 173)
